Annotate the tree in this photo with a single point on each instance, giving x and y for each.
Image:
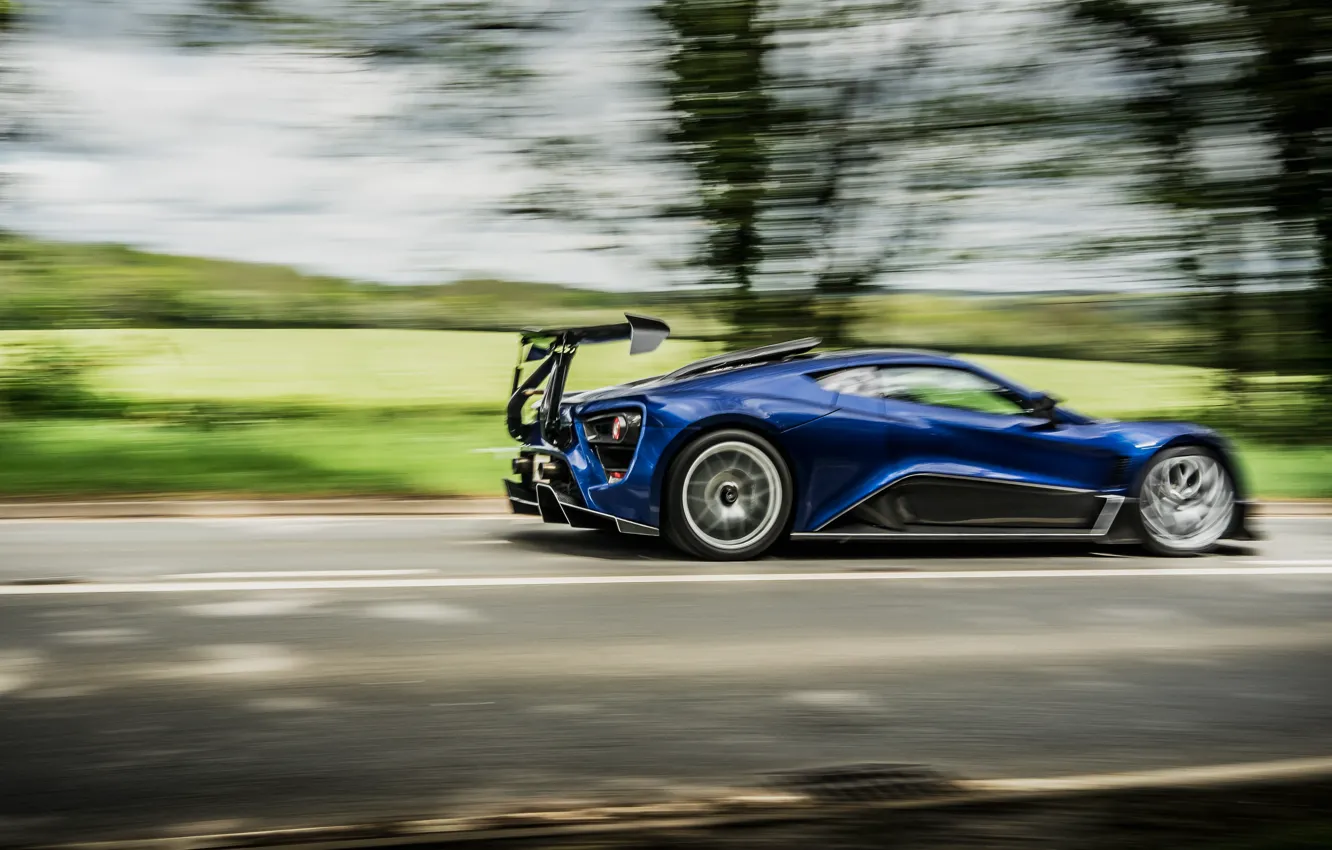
(1171, 111)
(476, 49)
(1291, 76)
(724, 117)
(1203, 73)
(783, 159)
(11, 117)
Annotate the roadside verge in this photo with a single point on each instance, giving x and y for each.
(204, 508)
(857, 806)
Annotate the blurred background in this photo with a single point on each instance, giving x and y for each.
(280, 246)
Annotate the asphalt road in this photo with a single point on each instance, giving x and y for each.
(181, 676)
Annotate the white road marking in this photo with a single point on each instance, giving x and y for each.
(279, 574)
(1321, 568)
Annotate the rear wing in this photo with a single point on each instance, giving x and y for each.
(555, 348)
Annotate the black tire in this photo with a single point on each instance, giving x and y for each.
(756, 465)
(1216, 513)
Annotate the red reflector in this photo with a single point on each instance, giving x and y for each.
(617, 428)
(617, 476)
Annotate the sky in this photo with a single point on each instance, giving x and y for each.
(267, 154)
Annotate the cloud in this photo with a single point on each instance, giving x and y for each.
(269, 157)
(338, 166)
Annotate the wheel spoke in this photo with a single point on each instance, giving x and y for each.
(713, 517)
(728, 525)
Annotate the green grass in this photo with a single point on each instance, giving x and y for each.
(1290, 472)
(404, 412)
(345, 455)
(1120, 390)
(336, 368)
(70, 285)
(375, 368)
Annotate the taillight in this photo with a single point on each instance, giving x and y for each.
(614, 438)
(614, 428)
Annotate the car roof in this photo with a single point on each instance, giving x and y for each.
(826, 361)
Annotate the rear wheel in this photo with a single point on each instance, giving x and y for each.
(729, 496)
(1186, 501)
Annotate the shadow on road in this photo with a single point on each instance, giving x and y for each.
(608, 546)
(601, 545)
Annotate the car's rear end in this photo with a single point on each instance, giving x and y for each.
(580, 457)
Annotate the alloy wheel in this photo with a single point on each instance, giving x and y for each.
(732, 495)
(1187, 502)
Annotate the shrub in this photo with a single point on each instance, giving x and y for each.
(47, 379)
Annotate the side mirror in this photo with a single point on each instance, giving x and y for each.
(1045, 406)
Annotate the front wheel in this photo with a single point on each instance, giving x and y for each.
(729, 496)
(1186, 501)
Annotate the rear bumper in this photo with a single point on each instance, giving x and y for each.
(542, 500)
(522, 499)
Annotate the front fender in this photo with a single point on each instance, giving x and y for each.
(1150, 438)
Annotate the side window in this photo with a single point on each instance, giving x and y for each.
(933, 385)
(945, 387)
(860, 381)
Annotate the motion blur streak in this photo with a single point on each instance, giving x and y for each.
(1322, 568)
(490, 688)
(278, 249)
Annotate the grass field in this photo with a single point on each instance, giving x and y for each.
(353, 454)
(410, 412)
(375, 368)
(363, 369)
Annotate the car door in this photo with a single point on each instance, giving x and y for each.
(974, 455)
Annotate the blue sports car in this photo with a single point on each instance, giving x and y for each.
(727, 456)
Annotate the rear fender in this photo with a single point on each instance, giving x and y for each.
(768, 428)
